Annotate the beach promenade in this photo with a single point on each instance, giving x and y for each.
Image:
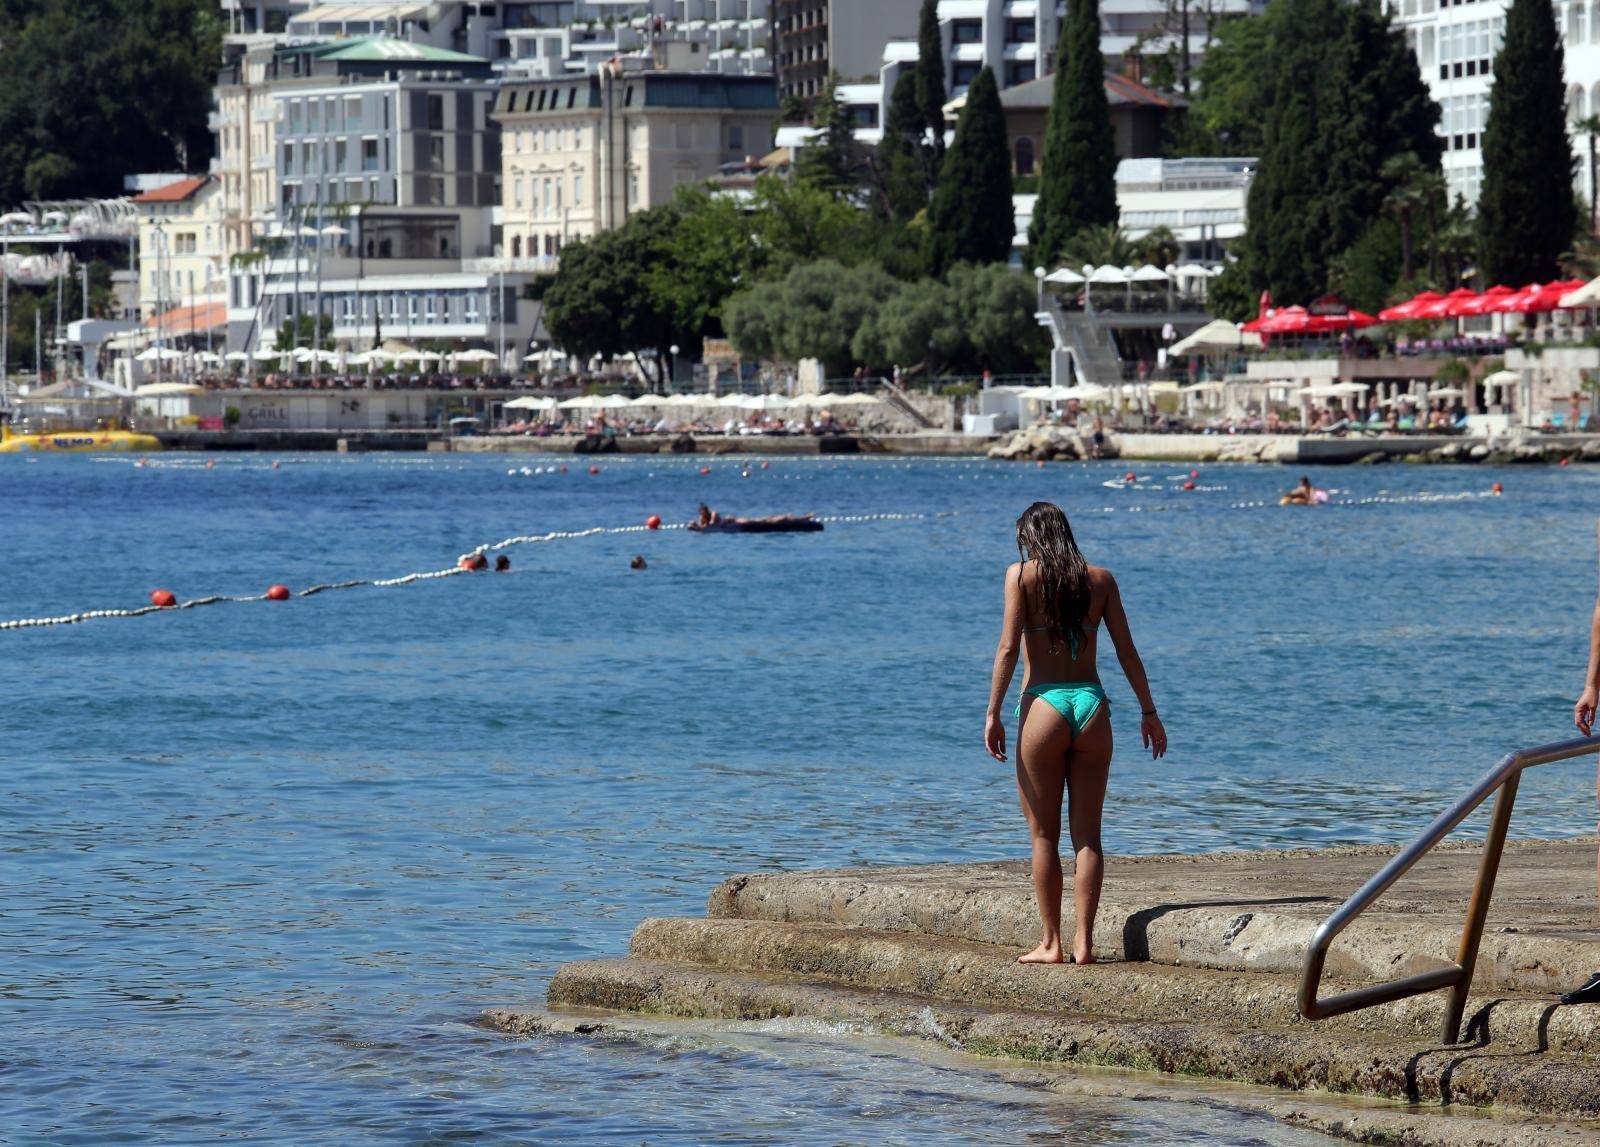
(1200, 961)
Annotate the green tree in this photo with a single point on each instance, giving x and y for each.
(931, 96)
(814, 311)
(1098, 246)
(977, 318)
(95, 89)
(1229, 107)
(606, 300)
(971, 218)
(1077, 185)
(792, 223)
(900, 186)
(1526, 210)
(830, 159)
(1159, 247)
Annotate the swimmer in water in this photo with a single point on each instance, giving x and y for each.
(1055, 602)
(638, 562)
(502, 564)
(1302, 495)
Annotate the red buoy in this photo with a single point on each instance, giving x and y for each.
(563, 469)
(1497, 489)
(1040, 463)
(1129, 476)
(1194, 473)
(1188, 485)
(594, 469)
(766, 465)
(653, 522)
(278, 593)
(1566, 461)
(163, 598)
(704, 470)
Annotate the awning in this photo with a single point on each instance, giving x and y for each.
(1218, 334)
(197, 317)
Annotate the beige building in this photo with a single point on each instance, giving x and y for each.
(182, 247)
(579, 155)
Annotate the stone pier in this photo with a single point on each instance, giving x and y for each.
(1199, 964)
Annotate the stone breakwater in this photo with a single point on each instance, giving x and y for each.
(1200, 956)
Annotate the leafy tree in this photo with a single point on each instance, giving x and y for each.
(792, 223)
(900, 186)
(931, 96)
(94, 89)
(1159, 247)
(1077, 186)
(971, 218)
(977, 318)
(1364, 275)
(1406, 199)
(830, 159)
(1526, 211)
(606, 299)
(812, 312)
(1228, 110)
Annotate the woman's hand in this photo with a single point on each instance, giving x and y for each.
(1583, 711)
(1154, 736)
(994, 736)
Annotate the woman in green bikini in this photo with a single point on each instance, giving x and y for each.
(1055, 602)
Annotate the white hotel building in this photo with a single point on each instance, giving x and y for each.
(1455, 45)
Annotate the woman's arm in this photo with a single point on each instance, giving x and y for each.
(1583, 711)
(1005, 664)
(1150, 728)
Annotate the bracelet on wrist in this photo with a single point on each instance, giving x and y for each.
(1148, 712)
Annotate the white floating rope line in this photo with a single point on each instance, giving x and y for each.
(408, 579)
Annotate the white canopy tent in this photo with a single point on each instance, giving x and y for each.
(1218, 334)
(1065, 275)
(166, 390)
(531, 402)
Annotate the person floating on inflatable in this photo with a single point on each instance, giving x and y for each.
(1305, 494)
(710, 521)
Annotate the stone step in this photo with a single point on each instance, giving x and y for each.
(1295, 1057)
(986, 975)
(1167, 910)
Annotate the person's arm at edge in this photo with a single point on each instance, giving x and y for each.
(1005, 664)
(1583, 711)
(1150, 727)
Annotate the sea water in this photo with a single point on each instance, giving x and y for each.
(264, 863)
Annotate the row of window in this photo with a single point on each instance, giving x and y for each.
(552, 245)
(318, 115)
(1462, 120)
(545, 196)
(397, 307)
(551, 139)
(342, 191)
(336, 158)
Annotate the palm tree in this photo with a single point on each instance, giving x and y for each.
(1401, 172)
(1590, 126)
(1098, 245)
(1159, 247)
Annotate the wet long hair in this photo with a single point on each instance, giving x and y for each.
(1045, 536)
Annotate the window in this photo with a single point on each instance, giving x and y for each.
(341, 156)
(549, 139)
(369, 155)
(436, 190)
(964, 74)
(435, 113)
(1024, 156)
(1020, 31)
(431, 307)
(577, 189)
(516, 246)
(288, 159)
(966, 31)
(516, 188)
(547, 202)
(436, 153)
(736, 137)
(352, 114)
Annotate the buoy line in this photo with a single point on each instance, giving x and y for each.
(168, 601)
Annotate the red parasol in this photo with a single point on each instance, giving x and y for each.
(1486, 303)
(1403, 312)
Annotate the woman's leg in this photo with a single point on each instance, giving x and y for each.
(1043, 741)
(1088, 766)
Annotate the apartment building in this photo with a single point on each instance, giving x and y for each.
(181, 244)
(528, 38)
(580, 155)
(813, 38)
(1455, 46)
(1019, 38)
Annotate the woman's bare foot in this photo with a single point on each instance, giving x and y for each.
(1082, 955)
(1043, 954)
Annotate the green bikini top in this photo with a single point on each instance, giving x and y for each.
(1074, 639)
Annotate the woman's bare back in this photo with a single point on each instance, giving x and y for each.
(1046, 656)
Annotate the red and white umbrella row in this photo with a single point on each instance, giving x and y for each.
(1535, 298)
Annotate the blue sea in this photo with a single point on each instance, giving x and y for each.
(265, 862)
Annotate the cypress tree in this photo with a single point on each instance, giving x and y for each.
(1526, 210)
(931, 96)
(1354, 117)
(829, 160)
(901, 187)
(1282, 249)
(1078, 171)
(971, 218)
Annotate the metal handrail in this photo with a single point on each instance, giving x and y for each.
(1503, 778)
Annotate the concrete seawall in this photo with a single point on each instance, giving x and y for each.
(1200, 956)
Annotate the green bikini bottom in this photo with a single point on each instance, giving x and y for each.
(1077, 701)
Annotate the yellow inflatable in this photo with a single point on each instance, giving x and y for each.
(77, 442)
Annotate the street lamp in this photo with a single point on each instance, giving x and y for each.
(1038, 299)
(672, 364)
